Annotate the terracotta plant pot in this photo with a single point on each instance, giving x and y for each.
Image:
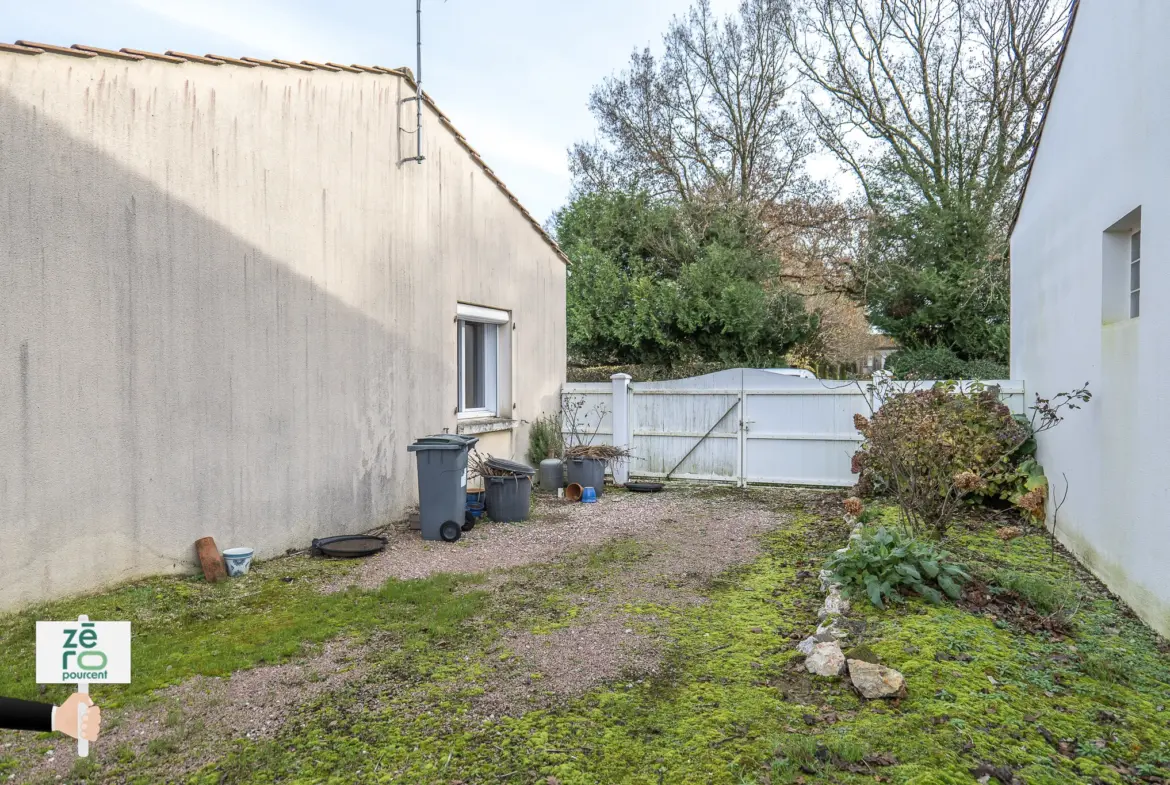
(573, 492)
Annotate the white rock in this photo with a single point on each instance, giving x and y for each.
(807, 645)
(829, 627)
(827, 659)
(876, 681)
(835, 605)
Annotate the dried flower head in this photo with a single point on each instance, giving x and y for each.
(860, 422)
(853, 506)
(967, 482)
(1033, 502)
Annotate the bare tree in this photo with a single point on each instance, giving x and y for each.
(929, 100)
(714, 119)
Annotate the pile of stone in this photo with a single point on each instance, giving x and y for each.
(822, 650)
(872, 680)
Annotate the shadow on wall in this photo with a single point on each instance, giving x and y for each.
(161, 380)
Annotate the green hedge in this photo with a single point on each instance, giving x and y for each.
(941, 363)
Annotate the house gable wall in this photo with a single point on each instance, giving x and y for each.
(1103, 155)
(229, 306)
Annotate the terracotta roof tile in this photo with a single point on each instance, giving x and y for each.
(108, 52)
(404, 72)
(153, 55)
(24, 50)
(265, 63)
(61, 50)
(232, 60)
(292, 64)
(193, 58)
(320, 66)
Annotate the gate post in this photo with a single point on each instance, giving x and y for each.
(622, 437)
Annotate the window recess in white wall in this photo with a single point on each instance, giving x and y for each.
(1122, 270)
(484, 360)
(1135, 274)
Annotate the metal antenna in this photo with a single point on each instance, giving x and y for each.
(418, 97)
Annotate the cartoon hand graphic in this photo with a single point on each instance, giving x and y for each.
(65, 718)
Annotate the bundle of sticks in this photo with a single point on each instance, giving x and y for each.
(477, 465)
(604, 452)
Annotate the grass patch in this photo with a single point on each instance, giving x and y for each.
(183, 626)
(161, 746)
(83, 770)
(1042, 594)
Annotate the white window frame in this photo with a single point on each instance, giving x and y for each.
(1134, 278)
(498, 321)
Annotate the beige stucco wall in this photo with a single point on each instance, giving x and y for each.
(228, 308)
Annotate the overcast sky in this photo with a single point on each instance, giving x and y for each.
(513, 75)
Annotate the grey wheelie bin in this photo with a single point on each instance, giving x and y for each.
(442, 484)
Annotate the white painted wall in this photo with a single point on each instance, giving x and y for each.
(1104, 153)
(227, 309)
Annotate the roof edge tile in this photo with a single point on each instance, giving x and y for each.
(152, 55)
(231, 60)
(24, 50)
(61, 50)
(107, 52)
(320, 66)
(193, 58)
(265, 63)
(293, 64)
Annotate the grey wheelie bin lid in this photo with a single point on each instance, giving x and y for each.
(511, 467)
(443, 441)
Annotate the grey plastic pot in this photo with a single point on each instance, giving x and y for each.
(508, 499)
(587, 472)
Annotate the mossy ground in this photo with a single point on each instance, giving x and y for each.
(730, 705)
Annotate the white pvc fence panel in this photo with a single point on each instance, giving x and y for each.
(742, 426)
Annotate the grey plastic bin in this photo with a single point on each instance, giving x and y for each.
(586, 472)
(508, 499)
(442, 484)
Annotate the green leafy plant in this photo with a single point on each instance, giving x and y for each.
(1023, 484)
(885, 564)
(545, 439)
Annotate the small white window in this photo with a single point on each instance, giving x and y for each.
(480, 331)
(1135, 274)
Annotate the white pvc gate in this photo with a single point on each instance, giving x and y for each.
(741, 426)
